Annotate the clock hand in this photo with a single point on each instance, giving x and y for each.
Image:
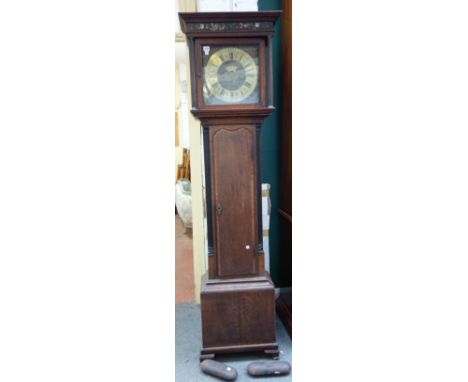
(231, 69)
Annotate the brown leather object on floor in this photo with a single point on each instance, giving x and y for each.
(265, 368)
(218, 369)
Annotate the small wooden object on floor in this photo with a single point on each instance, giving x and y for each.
(268, 368)
(218, 369)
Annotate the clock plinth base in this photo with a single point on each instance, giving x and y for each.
(270, 350)
(204, 356)
(273, 353)
(238, 316)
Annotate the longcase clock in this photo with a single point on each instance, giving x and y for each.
(231, 76)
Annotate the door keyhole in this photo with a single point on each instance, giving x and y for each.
(219, 209)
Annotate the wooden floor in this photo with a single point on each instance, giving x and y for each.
(185, 286)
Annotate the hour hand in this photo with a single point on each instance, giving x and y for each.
(231, 68)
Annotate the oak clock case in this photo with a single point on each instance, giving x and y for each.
(230, 62)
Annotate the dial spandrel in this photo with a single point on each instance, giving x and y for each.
(230, 74)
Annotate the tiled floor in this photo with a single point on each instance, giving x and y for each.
(185, 286)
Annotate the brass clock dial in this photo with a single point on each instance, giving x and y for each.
(230, 75)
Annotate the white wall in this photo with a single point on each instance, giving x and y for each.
(226, 5)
